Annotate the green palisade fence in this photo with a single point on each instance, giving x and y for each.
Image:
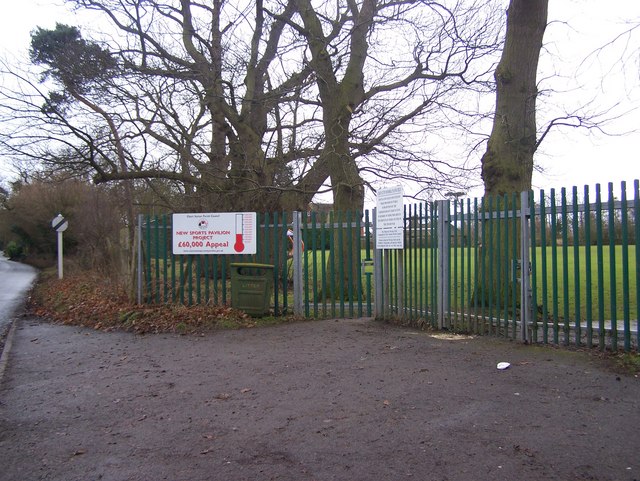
(462, 267)
(204, 279)
(579, 285)
(333, 285)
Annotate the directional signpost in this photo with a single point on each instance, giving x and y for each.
(59, 224)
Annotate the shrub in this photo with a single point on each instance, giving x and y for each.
(14, 251)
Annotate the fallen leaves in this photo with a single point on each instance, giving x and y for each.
(92, 301)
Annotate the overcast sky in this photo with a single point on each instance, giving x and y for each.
(577, 27)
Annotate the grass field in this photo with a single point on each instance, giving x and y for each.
(590, 283)
(598, 285)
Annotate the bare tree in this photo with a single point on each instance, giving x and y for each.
(182, 111)
(375, 96)
(241, 106)
(237, 168)
(507, 165)
(390, 75)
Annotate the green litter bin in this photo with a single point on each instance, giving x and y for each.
(251, 287)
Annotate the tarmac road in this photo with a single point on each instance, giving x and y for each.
(15, 281)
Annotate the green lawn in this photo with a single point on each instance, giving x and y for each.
(559, 299)
(554, 293)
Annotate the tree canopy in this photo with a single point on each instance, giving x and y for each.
(234, 105)
(243, 104)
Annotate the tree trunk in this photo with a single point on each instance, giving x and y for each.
(339, 100)
(507, 165)
(348, 201)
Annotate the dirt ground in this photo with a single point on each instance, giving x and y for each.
(325, 400)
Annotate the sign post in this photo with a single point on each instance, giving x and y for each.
(59, 224)
(389, 233)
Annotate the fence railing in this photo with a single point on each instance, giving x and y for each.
(312, 277)
(554, 267)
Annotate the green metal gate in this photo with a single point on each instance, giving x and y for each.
(553, 268)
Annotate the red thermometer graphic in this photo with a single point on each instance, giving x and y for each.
(239, 245)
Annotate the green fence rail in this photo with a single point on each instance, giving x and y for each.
(556, 267)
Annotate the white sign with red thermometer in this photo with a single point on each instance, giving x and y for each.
(217, 233)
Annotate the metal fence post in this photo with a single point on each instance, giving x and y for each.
(298, 302)
(378, 273)
(139, 266)
(400, 285)
(442, 277)
(387, 311)
(525, 271)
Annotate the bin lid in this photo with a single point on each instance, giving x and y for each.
(252, 264)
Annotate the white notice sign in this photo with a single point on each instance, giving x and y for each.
(216, 233)
(389, 218)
